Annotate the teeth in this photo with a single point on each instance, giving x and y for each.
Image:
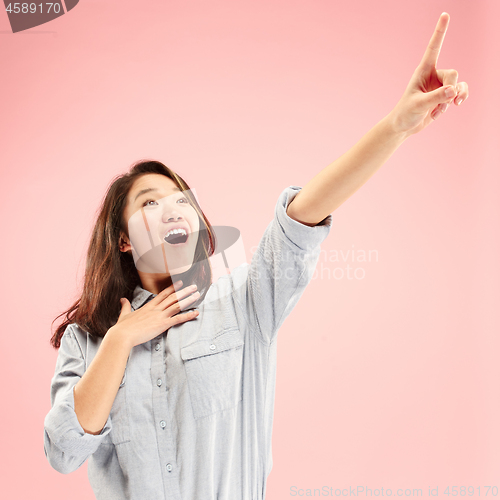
(176, 231)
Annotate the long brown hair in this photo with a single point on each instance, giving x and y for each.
(111, 274)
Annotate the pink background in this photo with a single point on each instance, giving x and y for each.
(391, 380)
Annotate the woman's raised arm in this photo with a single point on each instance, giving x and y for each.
(428, 94)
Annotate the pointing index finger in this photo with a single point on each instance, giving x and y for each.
(432, 52)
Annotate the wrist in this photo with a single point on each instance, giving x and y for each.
(116, 336)
(393, 127)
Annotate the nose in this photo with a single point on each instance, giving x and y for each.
(171, 210)
(171, 214)
(173, 218)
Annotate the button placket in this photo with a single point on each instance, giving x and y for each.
(166, 445)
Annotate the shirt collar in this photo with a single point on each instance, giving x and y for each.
(140, 297)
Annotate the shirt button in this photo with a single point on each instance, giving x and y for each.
(163, 423)
(157, 347)
(169, 467)
(212, 346)
(158, 382)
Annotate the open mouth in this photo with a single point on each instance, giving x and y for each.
(176, 237)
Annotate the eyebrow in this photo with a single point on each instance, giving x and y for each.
(147, 190)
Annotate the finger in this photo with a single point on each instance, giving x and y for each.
(176, 297)
(179, 306)
(125, 307)
(182, 318)
(164, 293)
(436, 113)
(448, 77)
(429, 60)
(462, 93)
(441, 108)
(426, 101)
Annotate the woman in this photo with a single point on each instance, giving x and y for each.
(179, 405)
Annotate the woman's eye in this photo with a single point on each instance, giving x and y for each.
(146, 203)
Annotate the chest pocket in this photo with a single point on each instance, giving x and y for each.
(214, 372)
(120, 421)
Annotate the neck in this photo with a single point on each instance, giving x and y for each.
(155, 282)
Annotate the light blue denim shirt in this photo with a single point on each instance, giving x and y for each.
(192, 419)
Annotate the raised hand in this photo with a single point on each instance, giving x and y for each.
(430, 90)
(158, 315)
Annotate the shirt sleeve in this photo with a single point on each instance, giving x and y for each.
(66, 444)
(281, 268)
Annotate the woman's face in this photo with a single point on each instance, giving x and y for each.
(163, 226)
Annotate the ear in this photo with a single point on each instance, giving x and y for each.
(124, 243)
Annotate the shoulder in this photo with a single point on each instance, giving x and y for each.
(81, 339)
(73, 334)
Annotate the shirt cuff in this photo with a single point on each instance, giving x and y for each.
(67, 434)
(303, 236)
